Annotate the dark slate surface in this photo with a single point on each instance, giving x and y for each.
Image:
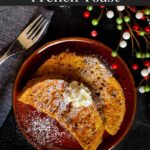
(69, 22)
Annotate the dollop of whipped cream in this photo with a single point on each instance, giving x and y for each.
(78, 95)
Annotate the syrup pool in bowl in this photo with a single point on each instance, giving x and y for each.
(44, 132)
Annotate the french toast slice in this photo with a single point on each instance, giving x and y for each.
(88, 69)
(83, 122)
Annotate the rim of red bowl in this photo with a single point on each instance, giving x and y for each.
(75, 39)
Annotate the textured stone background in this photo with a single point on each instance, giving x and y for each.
(66, 22)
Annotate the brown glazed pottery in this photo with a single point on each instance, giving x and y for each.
(24, 113)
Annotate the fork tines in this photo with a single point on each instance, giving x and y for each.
(36, 28)
(33, 32)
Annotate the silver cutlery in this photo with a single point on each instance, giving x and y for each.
(30, 35)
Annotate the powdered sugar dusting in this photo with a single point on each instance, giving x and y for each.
(45, 131)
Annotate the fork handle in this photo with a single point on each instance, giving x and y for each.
(6, 54)
(15, 48)
(3, 58)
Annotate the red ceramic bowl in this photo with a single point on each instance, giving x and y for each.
(24, 113)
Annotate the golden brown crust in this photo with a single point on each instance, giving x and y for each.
(84, 123)
(92, 72)
(114, 108)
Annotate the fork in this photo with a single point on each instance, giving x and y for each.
(30, 35)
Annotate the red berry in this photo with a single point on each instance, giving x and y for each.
(114, 66)
(147, 29)
(94, 33)
(136, 27)
(101, 6)
(143, 18)
(146, 77)
(127, 30)
(135, 67)
(86, 14)
(133, 9)
(147, 63)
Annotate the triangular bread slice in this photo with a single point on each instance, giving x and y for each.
(84, 123)
(88, 69)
